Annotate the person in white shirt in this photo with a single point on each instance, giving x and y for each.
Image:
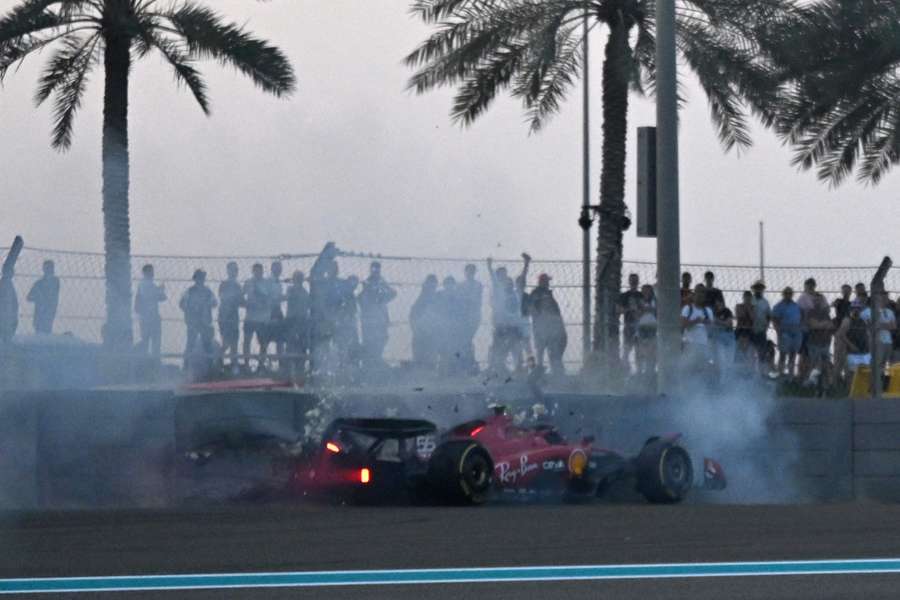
(887, 324)
(696, 319)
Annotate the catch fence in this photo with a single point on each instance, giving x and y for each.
(82, 311)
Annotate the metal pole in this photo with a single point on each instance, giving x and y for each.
(668, 254)
(585, 210)
(762, 251)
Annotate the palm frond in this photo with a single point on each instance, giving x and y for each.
(70, 90)
(206, 35)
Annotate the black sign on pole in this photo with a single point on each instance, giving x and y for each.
(646, 181)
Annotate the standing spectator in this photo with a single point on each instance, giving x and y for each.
(629, 306)
(423, 321)
(762, 316)
(806, 302)
(646, 326)
(713, 294)
(324, 298)
(258, 314)
(861, 294)
(821, 328)
(743, 331)
(346, 332)
(886, 326)
(517, 308)
(374, 317)
(506, 312)
(297, 325)
(275, 333)
(471, 293)
(687, 292)
(696, 319)
(547, 323)
(146, 305)
(841, 314)
(45, 296)
(788, 319)
(723, 331)
(9, 304)
(449, 312)
(197, 304)
(854, 332)
(841, 305)
(231, 298)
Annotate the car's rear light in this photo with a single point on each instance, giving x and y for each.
(365, 476)
(332, 447)
(476, 431)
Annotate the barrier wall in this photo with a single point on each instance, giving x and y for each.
(126, 448)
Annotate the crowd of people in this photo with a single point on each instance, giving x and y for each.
(326, 323)
(817, 342)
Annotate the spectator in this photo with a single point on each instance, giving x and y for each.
(855, 335)
(713, 294)
(629, 306)
(788, 319)
(646, 327)
(231, 298)
(45, 296)
(821, 329)
(547, 323)
(297, 325)
(841, 305)
(449, 312)
(687, 291)
(324, 298)
(471, 294)
(197, 304)
(806, 302)
(258, 314)
(517, 308)
(374, 317)
(275, 331)
(723, 333)
(9, 304)
(146, 305)
(696, 319)
(861, 294)
(346, 332)
(743, 332)
(507, 319)
(423, 321)
(886, 326)
(762, 316)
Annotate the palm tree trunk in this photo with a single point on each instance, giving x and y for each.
(612, 192)
(116, 228)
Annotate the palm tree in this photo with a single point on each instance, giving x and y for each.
(113, 34)
(839, 102)
(534, 49)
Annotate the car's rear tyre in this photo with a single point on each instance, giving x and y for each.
(665, 474)
(461, 472)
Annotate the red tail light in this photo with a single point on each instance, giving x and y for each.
(476, 431)
(365, 476)
(332, 447)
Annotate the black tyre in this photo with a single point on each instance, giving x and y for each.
(665, 473)
(461, 472)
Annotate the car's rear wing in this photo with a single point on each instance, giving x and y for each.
(383, 428)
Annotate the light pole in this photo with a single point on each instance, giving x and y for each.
(668, 257)
(585, 220)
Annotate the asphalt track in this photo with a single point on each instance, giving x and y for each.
(327, 538)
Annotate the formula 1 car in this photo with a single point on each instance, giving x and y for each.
(374, 459)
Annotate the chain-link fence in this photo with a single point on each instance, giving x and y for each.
(82, 311)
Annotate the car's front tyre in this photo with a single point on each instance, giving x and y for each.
(461, 472)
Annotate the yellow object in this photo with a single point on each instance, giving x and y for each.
(893, 388)
(861, 387)
(577, 462)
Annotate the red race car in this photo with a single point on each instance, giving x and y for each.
(375, 459)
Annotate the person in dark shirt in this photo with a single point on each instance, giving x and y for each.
(9, 305)
(424, 322)
(547, 323)
(231, 297)
(45, 296)
(687, 290)
(471, 293)
(629, 307)
(713, 294)
(197, 303)
(297, 323)
(375, 320)
(743, 331)
(842, 305)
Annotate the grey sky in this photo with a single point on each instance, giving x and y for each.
(354, 157)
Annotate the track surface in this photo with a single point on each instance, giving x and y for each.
(312, 537)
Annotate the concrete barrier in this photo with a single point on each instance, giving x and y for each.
(111, 448)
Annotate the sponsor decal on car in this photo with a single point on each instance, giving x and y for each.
(509, 474)
(425, 446)
(554, 465)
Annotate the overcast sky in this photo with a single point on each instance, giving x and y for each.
(355, 158)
